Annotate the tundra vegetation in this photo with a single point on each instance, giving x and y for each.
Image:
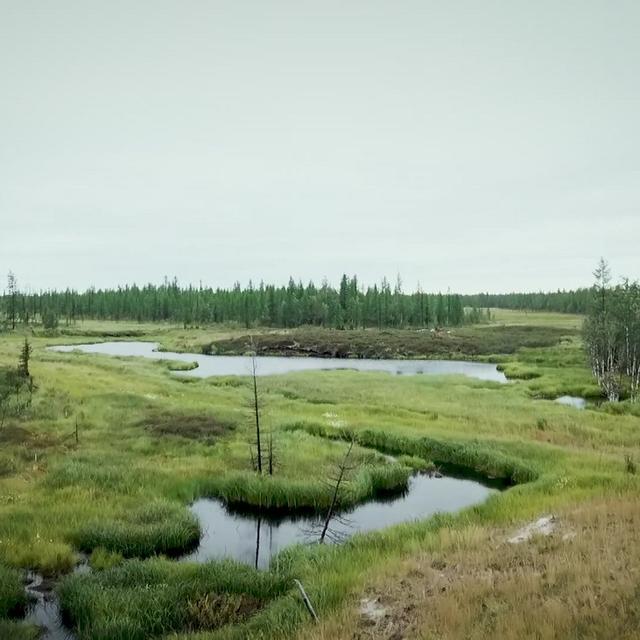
(151, 442)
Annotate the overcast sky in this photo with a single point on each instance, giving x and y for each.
(475, 145)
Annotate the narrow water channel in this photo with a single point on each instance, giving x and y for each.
(44, 608)
(254, 538)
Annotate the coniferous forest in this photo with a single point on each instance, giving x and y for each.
(348, 306)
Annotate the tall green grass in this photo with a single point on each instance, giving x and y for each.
(13, 604)
(13, 599)
(145, 599)
(12, 630)
(275, 493)
(472, 455)
(157, 528)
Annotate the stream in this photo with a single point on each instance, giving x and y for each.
(254, 538)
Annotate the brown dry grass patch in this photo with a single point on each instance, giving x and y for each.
(212, 610)
(581, 582)
(191, 426)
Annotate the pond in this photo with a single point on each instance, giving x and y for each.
(270, 365)
(254, 539)
(572, 401)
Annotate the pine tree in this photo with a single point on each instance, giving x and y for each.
(25, 357)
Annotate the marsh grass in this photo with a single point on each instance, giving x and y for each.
(469, 455)
(119, 466)
(461, 342)
(276, 494)
(13, 599)
(157, 528)
(204, 427)
(13, 604)
(12, 630)
(101, 559)
(112, 605)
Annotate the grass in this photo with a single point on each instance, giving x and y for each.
(580, 582)
(192, 426)
(18, 631)
(13, 599)
(147, 438)
(113, 604)
(156, 528)
(13, 604)
(490, 463)
(536, 318)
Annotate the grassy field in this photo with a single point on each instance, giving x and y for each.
(150, 443)
(535, 318)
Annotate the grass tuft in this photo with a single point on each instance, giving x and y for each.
(13, 599)
(157, 528)
(112, 604)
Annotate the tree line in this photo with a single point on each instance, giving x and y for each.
(576, 301)
(347, 306)
(612, 335)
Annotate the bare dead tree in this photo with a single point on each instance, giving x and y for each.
(264, 460)
(258, 526)
(256, 410)
(343, 468)
(271, 454)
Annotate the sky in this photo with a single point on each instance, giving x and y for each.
(476, 146)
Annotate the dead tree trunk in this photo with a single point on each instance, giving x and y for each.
(256, 408)
(336, 492)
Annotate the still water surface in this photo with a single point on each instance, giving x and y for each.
(572, 401)
(270, 365)
(255, 539)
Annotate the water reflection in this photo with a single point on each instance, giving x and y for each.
(254, 539)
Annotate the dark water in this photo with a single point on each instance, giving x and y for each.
(270, 365)
(572, 401)
(44, 610)
(254, 539)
